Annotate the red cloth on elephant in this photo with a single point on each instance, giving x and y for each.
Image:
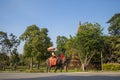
(53, 61)
(62, 56)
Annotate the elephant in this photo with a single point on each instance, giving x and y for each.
(60, 64)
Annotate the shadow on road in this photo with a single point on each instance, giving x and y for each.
(63, 77)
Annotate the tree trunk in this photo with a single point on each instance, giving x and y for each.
(83, 67)
(14, 66)
(3, 66)
(31, 63)
(38, 64)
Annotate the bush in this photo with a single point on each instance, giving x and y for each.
(111, 67)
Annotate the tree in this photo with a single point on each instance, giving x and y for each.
(61, 41)
(31, 37)
(4, 60)
(114, 28)
(44, 43)
(4, 42)
(114, 38)
(8, 44)
(70, 47)
(36, 43)
(111, 49)
(87, 40)
(22, 61)
(14, 42)
(14, 59)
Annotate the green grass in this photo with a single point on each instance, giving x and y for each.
(43, 70)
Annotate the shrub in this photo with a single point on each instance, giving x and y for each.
(111, 67)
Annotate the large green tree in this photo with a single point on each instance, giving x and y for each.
(44, 43)
(36, 43)
(14, 43)
(3, 50)
(31, 38)
(114, 28)
(114, 38)
(87, 42)
(8, 44)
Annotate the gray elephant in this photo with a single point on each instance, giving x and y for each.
(60, 64)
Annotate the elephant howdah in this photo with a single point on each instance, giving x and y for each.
(52, 61)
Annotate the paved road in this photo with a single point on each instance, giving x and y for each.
(61, 76)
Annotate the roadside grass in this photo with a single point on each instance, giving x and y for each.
(43, 70)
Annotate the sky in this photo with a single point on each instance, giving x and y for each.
(60, 17)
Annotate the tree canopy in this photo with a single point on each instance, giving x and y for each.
(88, 42)
(36, 43)
(114, 28)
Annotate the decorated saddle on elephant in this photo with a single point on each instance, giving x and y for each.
(52, 61)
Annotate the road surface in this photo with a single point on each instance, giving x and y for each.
(61, 76)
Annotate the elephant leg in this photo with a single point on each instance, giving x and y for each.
(49, 68)
(46, 69)
(56, 69)
(66, 67)
(61, 68)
